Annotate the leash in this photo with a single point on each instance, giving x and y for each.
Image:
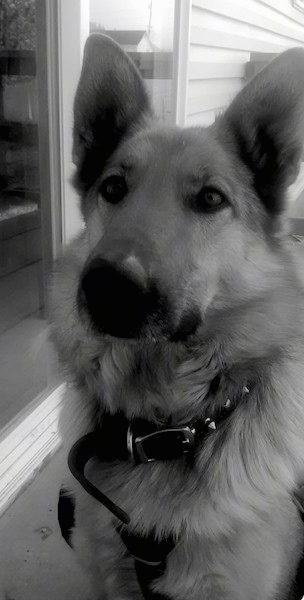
(82, 451)
(150, 558)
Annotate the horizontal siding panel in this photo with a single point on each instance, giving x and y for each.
(201, 70)
(284, 15)
(217, 55)
(206, 37)
(208, 102)
(216, 22)
(284, 8)
(204, 118)
(214, 86)
(222, 37)
(236, 12)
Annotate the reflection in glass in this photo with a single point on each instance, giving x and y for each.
(24, 357)
(145, 31)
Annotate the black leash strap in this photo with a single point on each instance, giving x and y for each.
(150, 556)
(118, 439)
(149, 553)
(85, 448)
(298, 499)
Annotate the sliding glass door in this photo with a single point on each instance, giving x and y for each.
(29, 201)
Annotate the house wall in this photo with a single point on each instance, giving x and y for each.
(144, 45)
(130, 47)
(222, 36)
(160, 92)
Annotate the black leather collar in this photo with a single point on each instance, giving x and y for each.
(140, 441)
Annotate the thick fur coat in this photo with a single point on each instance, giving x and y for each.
(193, 219)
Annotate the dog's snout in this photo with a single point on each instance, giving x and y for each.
(117, 295)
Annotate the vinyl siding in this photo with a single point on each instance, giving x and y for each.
(222, 36)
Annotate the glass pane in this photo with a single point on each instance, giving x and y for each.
(25, 359)
(145, 32)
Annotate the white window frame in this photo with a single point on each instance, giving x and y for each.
(71, 44)
(182, 22)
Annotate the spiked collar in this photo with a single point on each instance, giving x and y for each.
(141, 441)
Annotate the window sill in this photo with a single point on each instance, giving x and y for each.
(26, 444)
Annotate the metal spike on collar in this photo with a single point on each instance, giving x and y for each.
(246, 390)
(210, 424)
(227, 403)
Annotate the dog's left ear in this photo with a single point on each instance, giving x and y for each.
(265, 123)
(110, 100)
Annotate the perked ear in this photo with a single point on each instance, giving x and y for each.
(110, 100)
(266, 120)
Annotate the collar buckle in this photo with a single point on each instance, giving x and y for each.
(164, 444)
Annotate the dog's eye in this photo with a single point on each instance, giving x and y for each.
(209, 200)
(113, 189)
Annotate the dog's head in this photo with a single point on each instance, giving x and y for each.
(181, 223)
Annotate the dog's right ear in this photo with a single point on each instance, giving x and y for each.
(110, 100)
(265, 125)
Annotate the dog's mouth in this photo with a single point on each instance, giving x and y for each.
(129, 307)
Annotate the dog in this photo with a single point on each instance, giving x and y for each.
(180, 307)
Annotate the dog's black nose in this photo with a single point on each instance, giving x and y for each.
(117, 296)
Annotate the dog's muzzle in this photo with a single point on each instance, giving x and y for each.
(118, 296)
